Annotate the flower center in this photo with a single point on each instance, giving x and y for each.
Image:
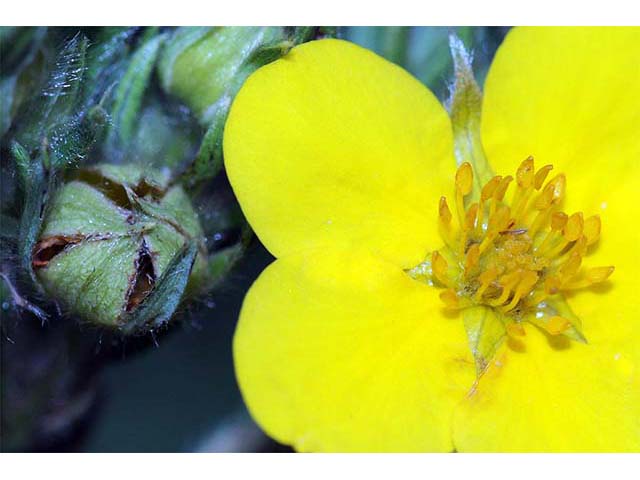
(515, 255)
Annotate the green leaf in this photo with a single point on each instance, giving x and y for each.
(7, 89)
(485, 331)
(64, 84)
(130, 91)
(33, 183)
(160, 305)
(208, 161)
(465, 107)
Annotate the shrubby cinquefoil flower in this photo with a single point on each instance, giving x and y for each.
(357, 338)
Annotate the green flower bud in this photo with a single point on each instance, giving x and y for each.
(204, 67)
(111, 236)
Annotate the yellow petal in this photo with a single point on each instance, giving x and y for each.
(610, 311)
(569, 97)
(342, 352)
(549, 394)
(334, 145)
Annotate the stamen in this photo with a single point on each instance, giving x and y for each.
(557, 325)
(589, 277)
(450, 299)
(541, 176)
(558, 221)
(508, 281)
(528, 280)
(573, 229)
(515, 329)
(440, 268)
(464, 184)
(591, 229)
(525, 174)
(486, 278)
(514, 253)
(473, 256)
(444, 215)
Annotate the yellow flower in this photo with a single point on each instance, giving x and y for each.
(339, 160)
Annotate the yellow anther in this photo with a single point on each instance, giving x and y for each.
(500, 220)
(507, 281)
(589, 277)
(525, 173)
(541, 176)
(501, 189)
(545, 198)
(473, 256)
(440, 268)
(599, 274)
(444, 212)
(579, 247)
(552, 285)
(464, 178)
(450, 298)
(570, 267)
(497, 222)
(490, 187)
(557, 325)
(470, 218)
(573, 229)
(591, 229)
(527, 281)
(558, 220)
(559, 185)
(515, 329)
(486, 278)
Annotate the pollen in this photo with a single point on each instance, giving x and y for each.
(511, 247)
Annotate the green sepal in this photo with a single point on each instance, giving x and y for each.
(465, 108)
(557, 305)
(91, 278)
(485, 331)
(33, 183)
(80, 209)
(160, 305)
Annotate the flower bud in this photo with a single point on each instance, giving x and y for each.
(112, 235)
(205, 66)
